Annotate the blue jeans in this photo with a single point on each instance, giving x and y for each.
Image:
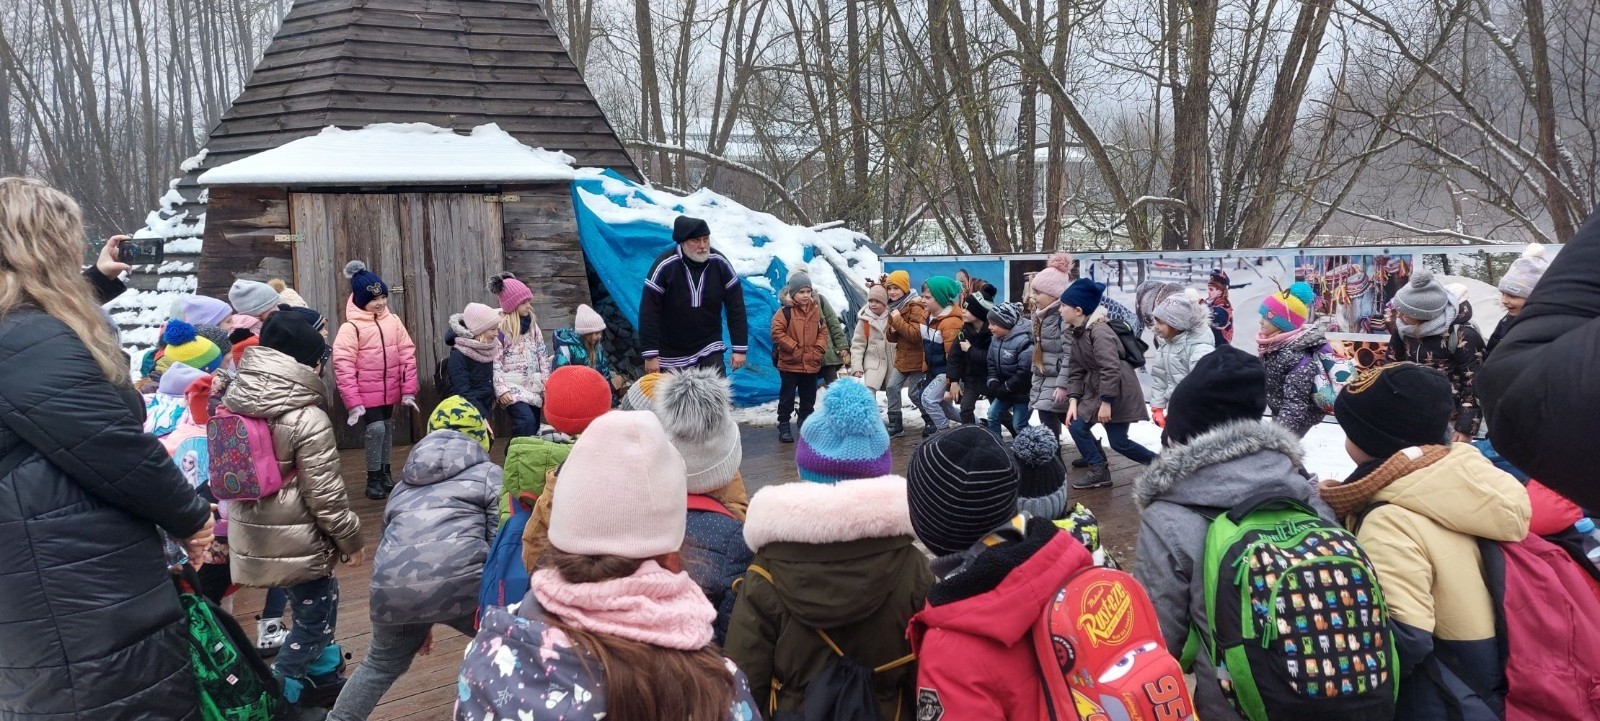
(1117, 433)
(274, 604)
(524, 420)
(393, 649)
(941, 413)
(315, 608)
(1020, 413)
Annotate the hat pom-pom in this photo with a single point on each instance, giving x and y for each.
(1304, 292)
(277, 284)
(851, 408)
(178, 333)
(1533, 251)
(1192, 295)
(353, 267)
(1035, 445)
(1061, 262)
(1421, 278)
(497, 282)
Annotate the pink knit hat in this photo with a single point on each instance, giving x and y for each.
(479, 318)
(1055, 277)
(623, 490)
(512, 292)
(588, 321)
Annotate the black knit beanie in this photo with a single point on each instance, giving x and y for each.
(1394, 407)
(1226, 385)
(291, 335)
(962, 485)
(977, 306)
(687, 228)
(1038, 454)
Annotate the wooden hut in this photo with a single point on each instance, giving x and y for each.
(434, 235)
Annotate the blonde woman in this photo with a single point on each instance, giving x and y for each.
(92, 625)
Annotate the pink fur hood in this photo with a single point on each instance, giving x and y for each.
(804, 512)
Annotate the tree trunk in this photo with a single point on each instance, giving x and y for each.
(1563, 217)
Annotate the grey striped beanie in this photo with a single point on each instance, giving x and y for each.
(962, 485)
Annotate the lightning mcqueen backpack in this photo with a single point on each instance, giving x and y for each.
(1101, 655)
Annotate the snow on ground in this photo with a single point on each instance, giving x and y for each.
(397, 152)
(1325, 456)
(750, 239)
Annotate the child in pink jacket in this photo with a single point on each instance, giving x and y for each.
(375, 367)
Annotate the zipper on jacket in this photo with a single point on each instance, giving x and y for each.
(383, 345)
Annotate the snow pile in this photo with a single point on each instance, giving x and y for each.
(410, 153)
(751, 239)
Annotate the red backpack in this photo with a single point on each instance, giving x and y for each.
(1102, 657)
(698, 502)
(1548, 621)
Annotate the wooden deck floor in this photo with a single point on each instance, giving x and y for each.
(428, 690)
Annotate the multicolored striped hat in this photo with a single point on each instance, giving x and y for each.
(1289, 310)
(845, 438)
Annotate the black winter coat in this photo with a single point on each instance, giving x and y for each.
(472, 380)
(969, 366)
(90, 626)
(1010, 366)
(681, 309)
(1541, 388)
(1499, 334)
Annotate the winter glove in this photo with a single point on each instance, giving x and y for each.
(356, 414)
(410, 401)
(1159, 415)
(994, 386)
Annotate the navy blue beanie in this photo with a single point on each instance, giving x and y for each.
(1084, 294)
(365, 285)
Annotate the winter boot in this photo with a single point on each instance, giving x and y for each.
(388, 480)
(1080, 463)
(896, 425)
(376, 490)
(785, 435)
(928, 430)
(270, 635)
(1099, 477)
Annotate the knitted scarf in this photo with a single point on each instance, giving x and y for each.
(1269, 343)
(1436, 327)
(653, 606)
(1351, 496)
(481, 351)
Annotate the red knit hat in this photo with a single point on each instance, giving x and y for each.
(573, 397)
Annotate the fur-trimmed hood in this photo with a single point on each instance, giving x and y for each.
(1226, 465)
(816, 513)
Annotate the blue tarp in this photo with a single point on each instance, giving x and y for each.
(621, 255)
(993, 271)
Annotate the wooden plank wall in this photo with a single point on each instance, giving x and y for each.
(452, 244)
(542, 248)
(241, 224)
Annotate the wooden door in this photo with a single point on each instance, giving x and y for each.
(436, 252)
(335, 229)
(452, 243)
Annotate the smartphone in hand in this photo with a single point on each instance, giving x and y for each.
(143, 251)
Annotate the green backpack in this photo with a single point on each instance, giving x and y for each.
(234, 683)
(1298, 625)
(528, 461)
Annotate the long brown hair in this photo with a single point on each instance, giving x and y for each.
(41, 242)
(645, 682)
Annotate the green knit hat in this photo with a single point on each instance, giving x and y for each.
(943, 288)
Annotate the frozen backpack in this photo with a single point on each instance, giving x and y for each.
(1298, 626)
(505, 576)
(243, 464)
(1337, 371)
(1101, 654)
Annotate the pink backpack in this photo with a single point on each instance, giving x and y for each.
(243, 464)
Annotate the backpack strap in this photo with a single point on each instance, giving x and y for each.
(1360, 517)
(701, 502)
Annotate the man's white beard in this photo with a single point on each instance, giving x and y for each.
(697, 257)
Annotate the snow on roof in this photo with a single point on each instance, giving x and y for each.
(397, 153)
(750, 239)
